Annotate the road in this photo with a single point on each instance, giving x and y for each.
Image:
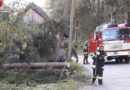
(116, 76)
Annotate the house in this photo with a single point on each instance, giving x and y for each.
(34, 14)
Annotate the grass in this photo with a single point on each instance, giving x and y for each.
(68, 84)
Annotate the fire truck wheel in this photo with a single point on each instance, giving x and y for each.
(121, 60)
(127, 60)
(117, 60)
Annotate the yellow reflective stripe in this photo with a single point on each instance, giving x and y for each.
(105, 57)
(93, 54)
(85, 52)
(103, 67)
(100, 77)
(93, 66)
(98, 53)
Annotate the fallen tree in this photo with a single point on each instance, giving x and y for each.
(37, 65)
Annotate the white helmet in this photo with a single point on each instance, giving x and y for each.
(86, 42)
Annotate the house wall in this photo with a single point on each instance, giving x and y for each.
(33, 17)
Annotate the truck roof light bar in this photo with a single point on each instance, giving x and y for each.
(123, 25)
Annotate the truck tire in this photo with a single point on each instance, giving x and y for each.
(117, 60)
(121, 60)
(127, 60)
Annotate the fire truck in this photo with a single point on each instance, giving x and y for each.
(114, 38)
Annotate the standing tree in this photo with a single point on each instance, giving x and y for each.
(128, 11)
(72, 14)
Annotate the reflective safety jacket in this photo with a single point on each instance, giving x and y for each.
(85, 50)
(99, 57)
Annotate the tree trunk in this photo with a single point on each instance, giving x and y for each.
(60, 34)
(75, 33)
(65, 9)
(72, 14)
(37, 65)
(128, 11)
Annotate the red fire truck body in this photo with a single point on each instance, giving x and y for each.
(115, 39)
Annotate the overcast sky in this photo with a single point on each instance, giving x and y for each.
(40, 3)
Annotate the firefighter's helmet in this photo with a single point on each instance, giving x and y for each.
(99, 47)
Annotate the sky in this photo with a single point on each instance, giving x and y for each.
(40, 3)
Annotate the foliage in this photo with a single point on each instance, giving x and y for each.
(46, 39)
(57, 12)
(3, 73)
(76, 67)
(68, 84)
(91, 13)
(12, 39)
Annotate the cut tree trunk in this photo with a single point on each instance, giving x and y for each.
(37, 65)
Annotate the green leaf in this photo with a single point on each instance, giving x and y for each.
(24, 45)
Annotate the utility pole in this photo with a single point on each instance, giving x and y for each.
(72, 14)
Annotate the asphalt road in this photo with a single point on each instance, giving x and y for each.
(116, 76)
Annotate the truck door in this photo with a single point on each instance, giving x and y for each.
(93, 41)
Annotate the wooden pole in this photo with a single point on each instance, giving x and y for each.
(72, 14)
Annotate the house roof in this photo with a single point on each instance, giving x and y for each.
(38, 10)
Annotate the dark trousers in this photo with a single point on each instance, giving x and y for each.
(85, 58)
(97, 73)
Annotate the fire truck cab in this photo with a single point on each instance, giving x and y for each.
(114, 38)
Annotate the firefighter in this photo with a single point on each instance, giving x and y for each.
(85, 51)
(98, 64)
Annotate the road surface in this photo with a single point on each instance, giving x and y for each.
(116, 76)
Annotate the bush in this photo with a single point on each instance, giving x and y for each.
(76, 67)
(3, 73)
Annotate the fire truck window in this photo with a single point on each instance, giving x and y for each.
(126, 34)
(116, 34)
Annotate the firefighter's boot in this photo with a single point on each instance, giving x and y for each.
(84, 61)
(93, 80)
(100, 81)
